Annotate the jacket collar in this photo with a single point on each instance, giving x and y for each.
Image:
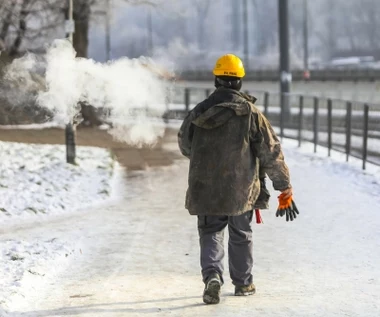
(232, 95)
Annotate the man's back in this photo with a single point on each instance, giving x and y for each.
(223, 169)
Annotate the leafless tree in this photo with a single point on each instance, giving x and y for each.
(202, 8)
(28, 23)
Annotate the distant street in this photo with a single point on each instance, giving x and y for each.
(365, 91)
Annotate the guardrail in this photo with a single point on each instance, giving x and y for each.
(345, 126)
(297, 75)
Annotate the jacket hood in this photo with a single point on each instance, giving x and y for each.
(225, 103)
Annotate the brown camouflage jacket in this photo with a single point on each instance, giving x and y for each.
(231, 145)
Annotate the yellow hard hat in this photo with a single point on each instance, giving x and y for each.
(229, 65)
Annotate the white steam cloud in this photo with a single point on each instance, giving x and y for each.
(129, 90)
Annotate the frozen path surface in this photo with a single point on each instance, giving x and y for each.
(141, 257)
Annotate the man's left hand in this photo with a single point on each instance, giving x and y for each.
(286, 206)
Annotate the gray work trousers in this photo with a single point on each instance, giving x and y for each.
(240, 257)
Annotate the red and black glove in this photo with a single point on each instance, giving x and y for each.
(286, 206)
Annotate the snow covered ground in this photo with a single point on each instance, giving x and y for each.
(35, 179)
(36, 126)
(37, 187)
(140, 257)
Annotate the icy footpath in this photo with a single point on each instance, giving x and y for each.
(25, 263)
(36, 186)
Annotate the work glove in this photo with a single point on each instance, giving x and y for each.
(286, 206)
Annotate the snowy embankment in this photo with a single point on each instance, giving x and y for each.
(36, 185)
(35, 179)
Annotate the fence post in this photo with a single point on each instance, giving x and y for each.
(300, 121)
(266, 103)
(315, 123)
(207, 92)
(187, 99)
(70, 143)
(329, 126)
(348, 128)
(365, 135)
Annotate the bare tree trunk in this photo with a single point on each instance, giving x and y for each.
(332, 34)
(202, 8)
(21, 28)
(372, 26)
(200, 33)
(350, 28)
(80, 38)
(82, 11)
(236, 24)
(81, 17)
(7, 22)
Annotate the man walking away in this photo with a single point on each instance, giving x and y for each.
(231, 145)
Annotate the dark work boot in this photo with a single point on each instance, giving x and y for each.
(245, 290)
(211, 294)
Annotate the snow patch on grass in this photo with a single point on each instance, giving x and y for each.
(36, 180)
(24, 263)
(33, 126)
(37, 184)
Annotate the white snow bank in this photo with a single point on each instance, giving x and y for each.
(35, 184)
(36, 180)
(33, 126)
(23, 262)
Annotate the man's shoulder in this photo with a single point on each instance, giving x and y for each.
(249, 100)
(202, 106)
(254, 109)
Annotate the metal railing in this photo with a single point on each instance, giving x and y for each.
(345, 126)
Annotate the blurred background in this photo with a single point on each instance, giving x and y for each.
(321, 55)
(193, 33)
